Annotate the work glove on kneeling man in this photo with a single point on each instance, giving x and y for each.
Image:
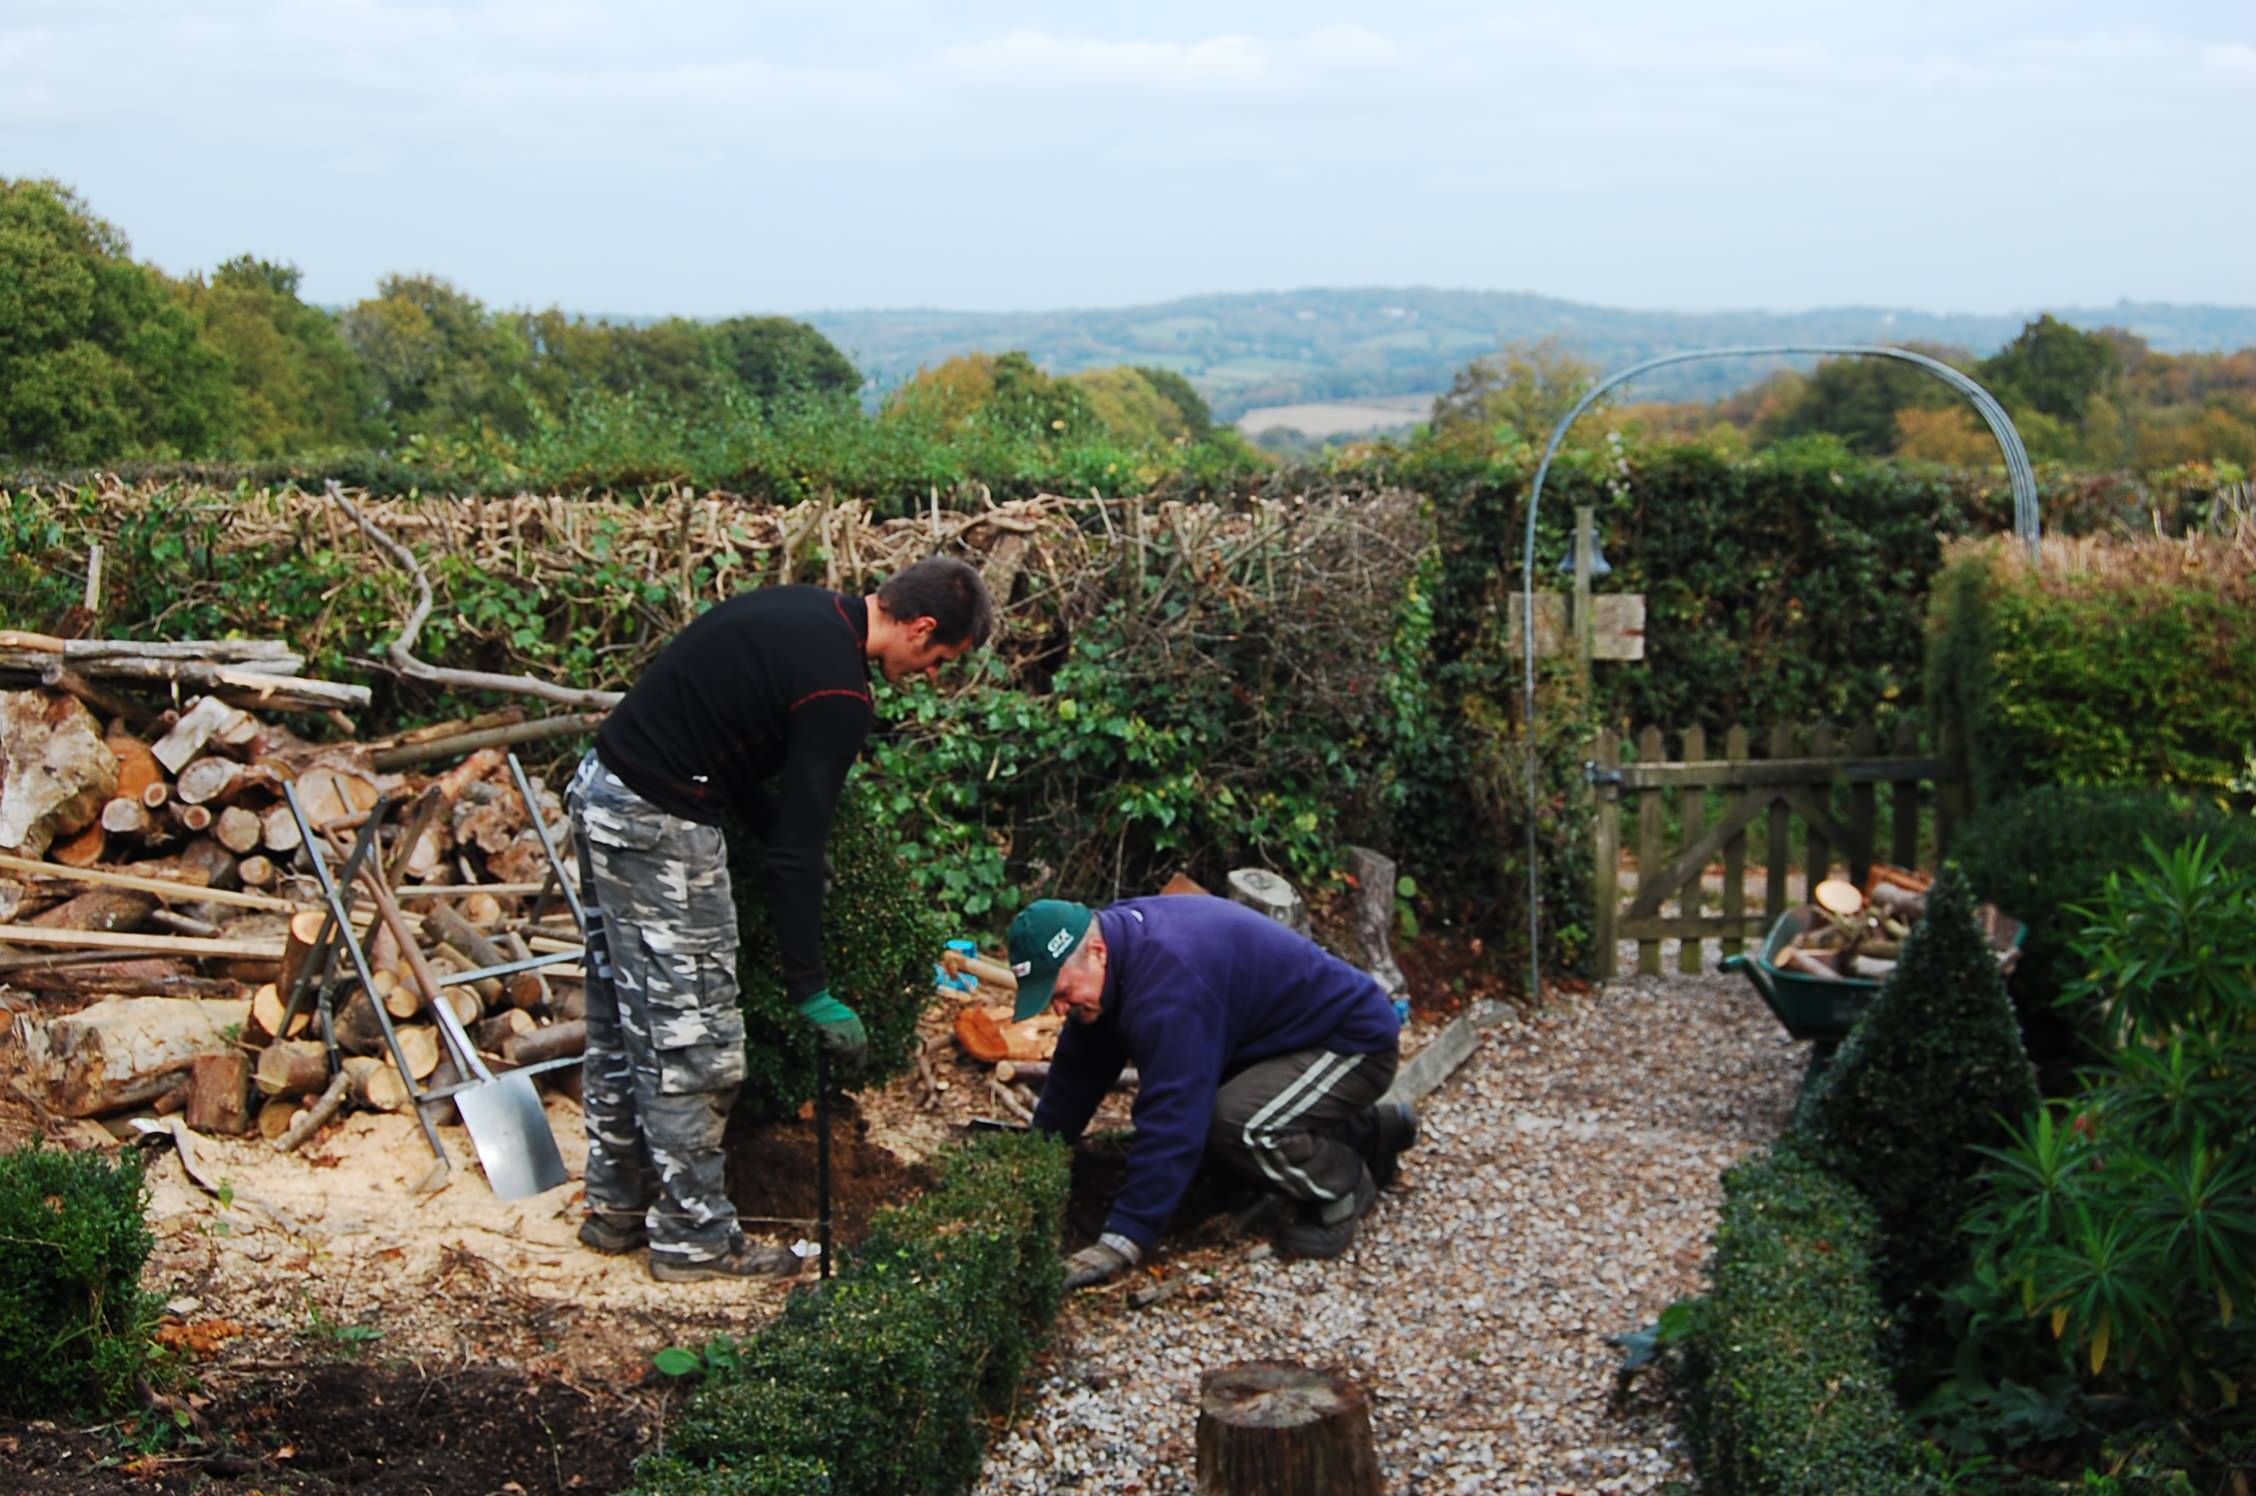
(1112, 1255)
(838, 1029)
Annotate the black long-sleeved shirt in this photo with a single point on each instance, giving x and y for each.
(758, 708)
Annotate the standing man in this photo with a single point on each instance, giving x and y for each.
(1255, 1046)
(756, 710)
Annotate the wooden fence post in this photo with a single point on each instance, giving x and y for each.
(1605, 872)
(1692, 808)
(1735, 748)
(1778, 854)
(1649, 751)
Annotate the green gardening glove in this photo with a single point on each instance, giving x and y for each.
(838, 1028)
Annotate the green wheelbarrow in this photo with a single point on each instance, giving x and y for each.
(1820, 1009)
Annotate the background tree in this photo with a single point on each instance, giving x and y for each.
(438, 364)
(2051, 367)
(295, 384)
(774, 356)
(1516, 396)
(1856, 399)
(1198, 416)
(1005, 392)
(1132, 407)
(99, 358)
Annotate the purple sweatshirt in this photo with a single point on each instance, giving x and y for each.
(1196, 989)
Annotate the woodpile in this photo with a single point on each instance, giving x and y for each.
(1853, 933)
(150, 853)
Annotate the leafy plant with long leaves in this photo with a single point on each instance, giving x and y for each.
(2123, 1220)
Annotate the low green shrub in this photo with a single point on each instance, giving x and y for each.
(2125, 1218)
(782, 1475)
(74, 1322)
(1792, 1394)
(1921, 1081)
(880, 940)
(2041, 854)
(877, 1380)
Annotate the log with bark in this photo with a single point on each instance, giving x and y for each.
(292, 1067)
(1371, 877)
(316, 1116)
(553, 1042)
(104, 1056)
(204, 780)
(219, 1093)
(239, 830)
(56, 773)
(375, 1084)
(1273, 1428)
(98, 909)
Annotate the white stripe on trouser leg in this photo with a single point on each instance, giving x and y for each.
(1308, 1088)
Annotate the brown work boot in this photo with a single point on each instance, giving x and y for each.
(614, 1232)
(746, 1259)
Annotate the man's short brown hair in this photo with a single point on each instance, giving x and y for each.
(949, 592)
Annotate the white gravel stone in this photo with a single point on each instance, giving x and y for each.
(1563, 1189)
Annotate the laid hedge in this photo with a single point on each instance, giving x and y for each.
(1793, 1396)
(876, 1382)
(74, 1322)
(2125, 664)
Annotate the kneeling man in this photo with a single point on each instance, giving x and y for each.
(1253, 1043)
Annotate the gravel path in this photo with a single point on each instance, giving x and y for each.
(1564, 1190)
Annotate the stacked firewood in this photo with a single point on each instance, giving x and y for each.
(155, 854)
(1858, 933)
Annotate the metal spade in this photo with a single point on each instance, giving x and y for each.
(502, 1113)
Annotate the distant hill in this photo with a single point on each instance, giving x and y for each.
(1290, 347)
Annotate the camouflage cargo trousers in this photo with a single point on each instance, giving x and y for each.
(665, 1042)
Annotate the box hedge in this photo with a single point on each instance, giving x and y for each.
(74, 1323)
(1928, 1074)
(880, 939)
(876, 1381)
(1793, 1395)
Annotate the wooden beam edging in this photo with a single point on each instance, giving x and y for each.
(1424, 1072)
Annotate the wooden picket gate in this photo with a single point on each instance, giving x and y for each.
(1811, 790)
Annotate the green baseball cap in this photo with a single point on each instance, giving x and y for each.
(1044, 934)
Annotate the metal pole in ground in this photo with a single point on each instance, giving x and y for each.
(822, 1155)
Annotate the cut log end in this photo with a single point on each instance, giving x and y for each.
(1268, 1427)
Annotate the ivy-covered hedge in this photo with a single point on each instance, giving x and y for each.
(74, 1322)
(877, 1381)
(2129, 666)
(1793, 1396)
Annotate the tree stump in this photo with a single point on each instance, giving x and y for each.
(1258, 888)
(1371, 917)
(1273, 1428)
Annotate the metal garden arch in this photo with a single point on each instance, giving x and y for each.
(1985, 404)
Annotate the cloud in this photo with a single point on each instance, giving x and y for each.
(2233, 61)
(1228, 63)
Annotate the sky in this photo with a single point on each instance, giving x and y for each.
(711, 159)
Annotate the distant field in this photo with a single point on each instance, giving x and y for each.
(1332, 418)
